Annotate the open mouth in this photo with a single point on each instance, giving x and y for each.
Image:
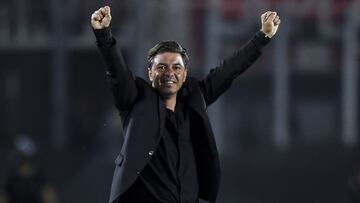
(168, 82)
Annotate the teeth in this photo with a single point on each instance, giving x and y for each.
(169, 82)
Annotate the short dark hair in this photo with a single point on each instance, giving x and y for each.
(167, 46)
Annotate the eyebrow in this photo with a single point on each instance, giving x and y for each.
(163, 64)
(168, 64)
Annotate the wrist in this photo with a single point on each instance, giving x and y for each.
(267, 35)
(104, 36)
(261, 39)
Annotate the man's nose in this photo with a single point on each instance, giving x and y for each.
(169, 72)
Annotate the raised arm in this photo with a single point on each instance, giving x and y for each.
(220, 78)
(122, 80)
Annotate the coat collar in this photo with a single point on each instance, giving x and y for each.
(190, 95)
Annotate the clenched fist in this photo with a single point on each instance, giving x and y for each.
(101, 18)
(270, 22)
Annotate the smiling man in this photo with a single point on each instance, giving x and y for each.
(167, 70)
(169, 153)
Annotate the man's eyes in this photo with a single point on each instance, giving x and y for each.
(163, 67)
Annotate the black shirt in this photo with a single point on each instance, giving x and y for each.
(171, 174)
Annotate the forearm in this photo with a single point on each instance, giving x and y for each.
(121, 78)
(112, 57)
(220, 78)
(243, 58)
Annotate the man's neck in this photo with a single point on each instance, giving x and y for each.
(170, 102)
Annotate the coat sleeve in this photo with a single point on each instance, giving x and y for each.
(220, 78)
(122, 81)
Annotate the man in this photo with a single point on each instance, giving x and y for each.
(169, 152)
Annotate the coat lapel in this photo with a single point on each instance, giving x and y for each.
(162, 112)
(193, 97)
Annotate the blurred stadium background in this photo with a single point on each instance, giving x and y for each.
(287, 130)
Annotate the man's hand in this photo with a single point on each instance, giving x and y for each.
(101, 18)
(270, 22)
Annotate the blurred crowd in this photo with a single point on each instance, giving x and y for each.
(35, 20)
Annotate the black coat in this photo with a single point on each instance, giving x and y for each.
(143, 115)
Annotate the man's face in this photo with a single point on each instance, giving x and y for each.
(167, 73)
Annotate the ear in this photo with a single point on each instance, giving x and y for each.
(185, 75)
(150, 74)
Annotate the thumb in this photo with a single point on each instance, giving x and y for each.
(107, 16)
(107, 11)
